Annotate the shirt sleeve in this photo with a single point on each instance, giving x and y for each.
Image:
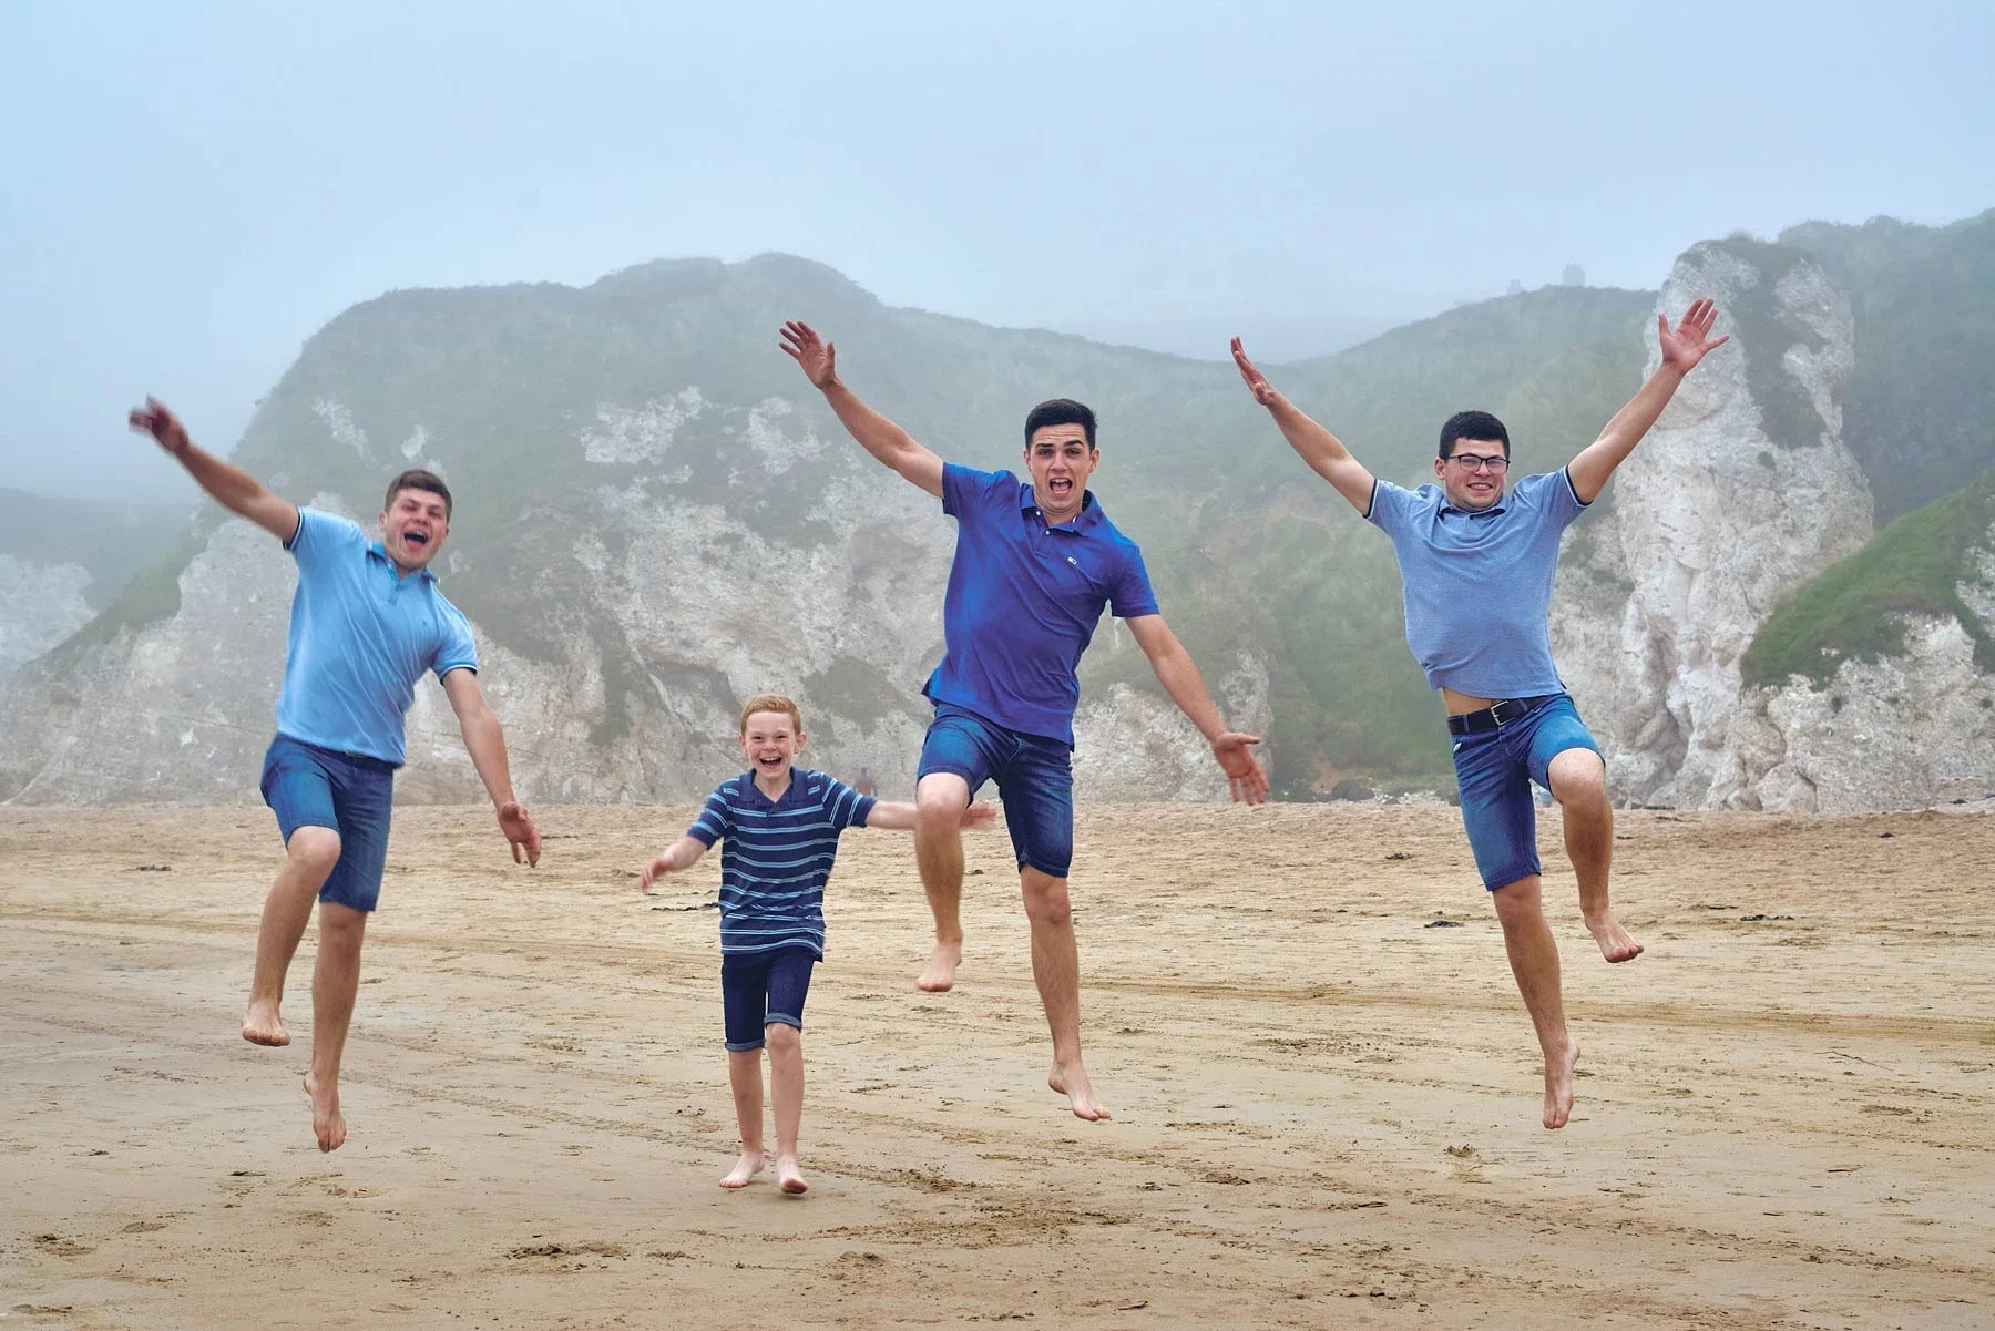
(1390, 504)
(1131, 595)
(848, 807)
(321, 538)
(1552, 494)
(715, 821)
(455, 650)
(964, 488)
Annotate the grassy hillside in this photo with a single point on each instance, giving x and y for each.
(1852, 609)
(1923, 396)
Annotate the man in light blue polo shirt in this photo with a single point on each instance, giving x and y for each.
(367, 622)
(1477, 565)
(1037, 561)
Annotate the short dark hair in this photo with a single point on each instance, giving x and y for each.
(1059, 411)
(1472, 425)
(418, 479)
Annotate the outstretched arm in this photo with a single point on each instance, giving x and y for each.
(1180, 678)
(486, 743)
(231, 486)
(879, 436)
(1682, 348)
(678, 857)
(1324, 452)
(899, 815)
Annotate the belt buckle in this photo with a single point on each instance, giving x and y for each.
(1499, 713)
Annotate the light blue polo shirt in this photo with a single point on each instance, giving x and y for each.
(1479, 585)
(361, 636)
(1023, 601)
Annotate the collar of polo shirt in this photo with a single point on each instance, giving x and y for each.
(377, 548)
(1090, 513)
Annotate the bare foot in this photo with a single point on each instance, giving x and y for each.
(747, 1167)
(1558, 1086)
(327, 1121)
(1073, 1083)
(939, 976)
(262, 1025)
(1616, 943)
(789, 1177)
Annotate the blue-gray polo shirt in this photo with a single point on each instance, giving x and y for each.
(1479, 585)
(361, 636)
(1024, 598)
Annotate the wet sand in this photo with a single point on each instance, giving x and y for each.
(1326, 1110)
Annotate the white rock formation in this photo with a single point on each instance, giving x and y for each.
(1723, 510)
(40, 605)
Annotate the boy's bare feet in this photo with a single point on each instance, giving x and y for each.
(1073, 1083)
(939, 976)
(789, 1177)
(747, 1167)
(327, 1121)
(1558, 1085)
(261, 1025)
(1616, 943)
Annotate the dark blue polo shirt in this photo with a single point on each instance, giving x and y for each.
(1023, 601)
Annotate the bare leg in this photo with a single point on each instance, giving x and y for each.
(1579, 783)
(744, 1078)
(1534, 960)
(786, 1088)
(309, 857)
(335, 982)
(1056, 969)
(939, 801)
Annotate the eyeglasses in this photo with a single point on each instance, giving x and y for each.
(1476, 462)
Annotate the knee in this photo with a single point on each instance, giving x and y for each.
(938, 812)
(313, 850)
(1046, 899)
(1579, 779)
(782, 1039)
(1519, 904)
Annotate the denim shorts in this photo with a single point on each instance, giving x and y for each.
(1495, 769)
(759, 989)
(307, 786)
(1034, 775)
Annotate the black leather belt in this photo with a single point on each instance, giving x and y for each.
(1496, 715)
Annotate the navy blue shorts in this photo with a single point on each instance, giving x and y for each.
(1034, 775)
(759, 989)
(1495, 769)
(307, 786)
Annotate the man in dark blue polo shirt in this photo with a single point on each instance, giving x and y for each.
(367, 622)
(1477, 565)
(1036, 563)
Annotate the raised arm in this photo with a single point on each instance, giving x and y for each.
(878, 435)
(1180, 678)
(1682, 349)
(486, 743)
(229, 485)
(1324, 452)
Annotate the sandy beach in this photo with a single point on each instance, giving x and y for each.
(1326, 1091)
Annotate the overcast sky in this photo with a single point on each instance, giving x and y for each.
(191, 189)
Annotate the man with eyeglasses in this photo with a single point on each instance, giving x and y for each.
(1477, 565)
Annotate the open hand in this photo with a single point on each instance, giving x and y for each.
(165, 427)
(1691, 339)
(524, 837)
(980, 815)
(1243, 774)
(1257, 383)
(816, 358)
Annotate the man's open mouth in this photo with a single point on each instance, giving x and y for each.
(416, 537)
(1060, 485)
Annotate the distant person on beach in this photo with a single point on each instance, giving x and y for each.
(367, 622)
(1037, 561)
(1477, 565)
(863, 783)
(781, 827)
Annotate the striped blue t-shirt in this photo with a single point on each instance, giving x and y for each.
(777, 858)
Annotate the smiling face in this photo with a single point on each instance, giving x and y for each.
(1472, 475)
(770, 741)
(413, 527)
(1061, 462)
